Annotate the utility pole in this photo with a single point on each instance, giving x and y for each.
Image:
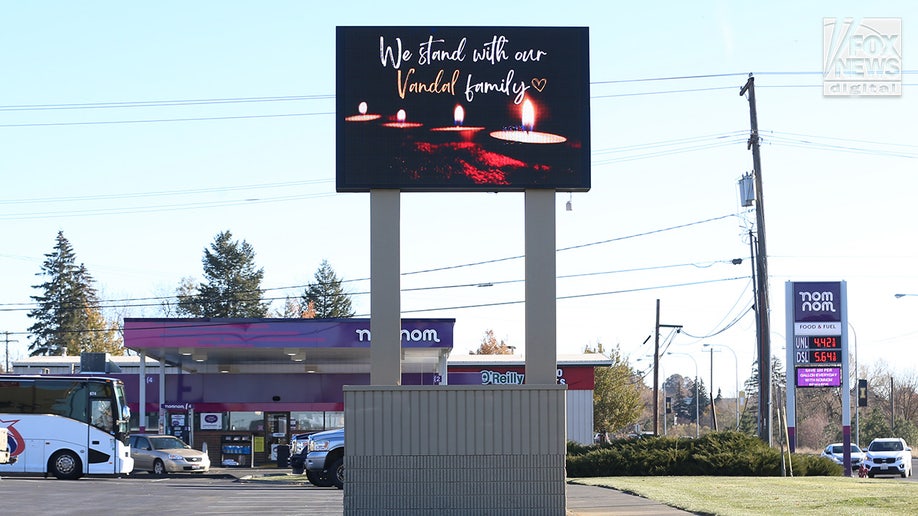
(762, 308)
(656, 373)
(713, 412)
(892, 407)
(656, 368)
(7, 341)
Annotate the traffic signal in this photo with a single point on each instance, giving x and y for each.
(862, 393)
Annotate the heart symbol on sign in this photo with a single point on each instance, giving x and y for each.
(539, 84)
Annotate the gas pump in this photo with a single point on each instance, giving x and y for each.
(179, 417)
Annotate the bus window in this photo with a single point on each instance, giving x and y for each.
(102, 415)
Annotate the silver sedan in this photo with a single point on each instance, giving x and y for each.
(161, 454)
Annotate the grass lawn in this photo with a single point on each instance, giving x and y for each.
(772, 495)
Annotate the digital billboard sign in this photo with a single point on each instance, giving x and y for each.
(819, 377)
(462, 108)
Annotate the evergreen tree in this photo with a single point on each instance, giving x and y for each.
(703, 401)
(326, 295)
(677, 389)
(232, 286)
(67, 318)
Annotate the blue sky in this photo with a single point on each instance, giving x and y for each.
(247, 144)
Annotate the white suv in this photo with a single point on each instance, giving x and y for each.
(889, 456)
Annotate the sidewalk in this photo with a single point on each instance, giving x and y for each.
(581, 500)
(594, 501)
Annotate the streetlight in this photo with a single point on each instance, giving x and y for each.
(655, 366)
(696, 386)
(857, 404)
(736, 374)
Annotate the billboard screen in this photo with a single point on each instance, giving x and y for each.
(818, 377)
(463, 108)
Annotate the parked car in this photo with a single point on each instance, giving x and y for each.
(325, 459)
(835, 452)
(161, 454)
(888, 456)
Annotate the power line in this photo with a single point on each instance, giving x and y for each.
(576, 296)
(452, 267)
(164, 193)
(164, 207)
(458, 266)
(157, 120)
(678, 146)
(465, 307)
(132, 302)
(294, 98)
(161, 103)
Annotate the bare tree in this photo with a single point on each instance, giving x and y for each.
(491, 346)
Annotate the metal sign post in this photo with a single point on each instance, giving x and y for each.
(817, 349)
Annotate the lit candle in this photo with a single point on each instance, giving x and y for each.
(401, 121)
(363, 116)
(458, 119)
(526, 134)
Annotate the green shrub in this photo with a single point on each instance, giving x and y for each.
(601, 462)
(807, 465)
(575, 448)
(736, 454)
(719, 453)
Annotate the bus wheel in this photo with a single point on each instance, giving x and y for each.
(65, 465)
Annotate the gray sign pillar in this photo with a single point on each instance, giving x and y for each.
(385, 296)
(541, 289)
(142, 394)
(790, 367)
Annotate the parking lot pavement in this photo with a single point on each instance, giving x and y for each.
(240, 490)
(582, 500)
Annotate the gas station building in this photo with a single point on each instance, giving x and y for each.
(245, 387)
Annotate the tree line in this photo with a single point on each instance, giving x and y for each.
(622, 405)
(68, 317)
(68, 320)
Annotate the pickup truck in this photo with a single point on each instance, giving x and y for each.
(325, 459)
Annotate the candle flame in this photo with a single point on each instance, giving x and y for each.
(528, 115)
(459, 115)
(362, 108)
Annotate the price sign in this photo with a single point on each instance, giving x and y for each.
(823, 342)
(817, 349)
(818, 356)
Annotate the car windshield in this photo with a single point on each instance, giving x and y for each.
(886, 446)
(166, 443)
(839, 449)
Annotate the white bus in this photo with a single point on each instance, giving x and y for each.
(68, 426)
